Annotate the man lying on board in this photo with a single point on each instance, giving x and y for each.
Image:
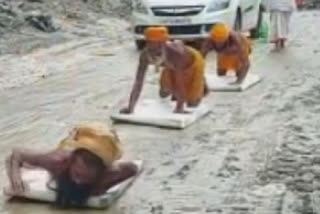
(85, 163)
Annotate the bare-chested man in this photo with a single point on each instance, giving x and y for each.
(85, 163)
(183, 73)
(233, 50)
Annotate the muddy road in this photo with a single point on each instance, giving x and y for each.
(257, 152)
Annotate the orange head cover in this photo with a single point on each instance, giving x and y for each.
(156, 34)
(220, 33)
(97, 138)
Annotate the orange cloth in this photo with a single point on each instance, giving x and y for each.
(220, 33)
(97, 139)
(194, 80)
(156, 34)
(232, 61)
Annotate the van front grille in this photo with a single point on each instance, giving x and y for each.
(177, 10)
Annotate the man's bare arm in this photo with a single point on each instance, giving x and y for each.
(138, 84)
(206, 47)
(179, 92)
(49, 161)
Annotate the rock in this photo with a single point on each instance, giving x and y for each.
(183, 172)
(157, 209)
(41, 22)
(304, 187)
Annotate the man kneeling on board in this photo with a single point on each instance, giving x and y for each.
(233, 50)
(84, 164)
(183, 73)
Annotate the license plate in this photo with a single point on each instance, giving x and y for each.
(177, 21)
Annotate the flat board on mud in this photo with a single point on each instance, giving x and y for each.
(159, 112)
(224, 83)
(39, 187)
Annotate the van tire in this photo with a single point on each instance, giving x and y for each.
(254, 33)
(140, 44)
(238, 22)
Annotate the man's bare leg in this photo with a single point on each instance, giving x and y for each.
(119, 172)
(241, 75)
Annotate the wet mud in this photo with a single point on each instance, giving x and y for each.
(256, 152)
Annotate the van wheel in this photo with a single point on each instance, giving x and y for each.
(254, 33)
(140, 44)
(238, 22)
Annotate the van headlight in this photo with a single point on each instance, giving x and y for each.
(140, 7)
(218, 5)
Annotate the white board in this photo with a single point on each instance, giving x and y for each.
(36, 181)
(223, 83)
(159, 112)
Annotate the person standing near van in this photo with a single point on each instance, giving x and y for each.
(280, 14)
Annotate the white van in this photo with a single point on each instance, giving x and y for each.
(193, 19)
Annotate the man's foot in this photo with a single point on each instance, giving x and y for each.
(221, 72)
(277, 47)
(236, 82)
(180, 111)
(126, 111)
(193, 104)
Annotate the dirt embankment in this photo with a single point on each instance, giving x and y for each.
(29, 24)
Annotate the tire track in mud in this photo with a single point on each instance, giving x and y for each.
(276, 161)
(293, 161)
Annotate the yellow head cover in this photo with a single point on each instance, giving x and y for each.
(156, 34)
(97, 138)
(220, 33)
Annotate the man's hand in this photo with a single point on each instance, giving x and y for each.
(13, 171)
(180, 110)
(126, 110)
(18, 187)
